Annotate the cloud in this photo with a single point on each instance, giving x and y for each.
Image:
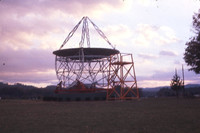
(152, 83)
(34, 77)
(25, 23)
(145, 3)
(177, 62)
(22, 33)
(45, 7)
(167, 53)
(148, 35)
(117, 34)
(163, 78)
(147, 56)
(158, 75)
(35, 65)
(158, 78)
(27, 60)
(31, 30)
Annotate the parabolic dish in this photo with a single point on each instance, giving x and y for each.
(88, 53)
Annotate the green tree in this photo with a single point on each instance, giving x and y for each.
(192, 52)
(176, 83)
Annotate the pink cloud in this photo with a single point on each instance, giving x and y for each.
(38, 18)
(21, 7)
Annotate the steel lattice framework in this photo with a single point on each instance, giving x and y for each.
(89, 71)
(122, 83)
(85, 33)
(86, 65)
(95, 69)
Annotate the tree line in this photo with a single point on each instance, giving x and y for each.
(20, 91)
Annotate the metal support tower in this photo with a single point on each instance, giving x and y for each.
(122, 83)
(85, 33)
(83, 64)
(89, 72)
(86, 69)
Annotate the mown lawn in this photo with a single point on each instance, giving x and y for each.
(167, 115)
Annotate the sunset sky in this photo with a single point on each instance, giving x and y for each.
(154, 31)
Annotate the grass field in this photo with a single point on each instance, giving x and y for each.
(169, 115)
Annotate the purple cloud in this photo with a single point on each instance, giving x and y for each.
(147, 56)
(35, 65)
(27, 60)
(190, 77)
(167, 53)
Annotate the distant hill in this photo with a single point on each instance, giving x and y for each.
(191, 89)
(20, 91)
(155, 88)
(192, 85)
(160, 87)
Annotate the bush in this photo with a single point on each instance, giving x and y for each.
(78, 99)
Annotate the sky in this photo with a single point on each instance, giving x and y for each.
(153, 31)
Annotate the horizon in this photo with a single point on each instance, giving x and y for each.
(39, 87)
